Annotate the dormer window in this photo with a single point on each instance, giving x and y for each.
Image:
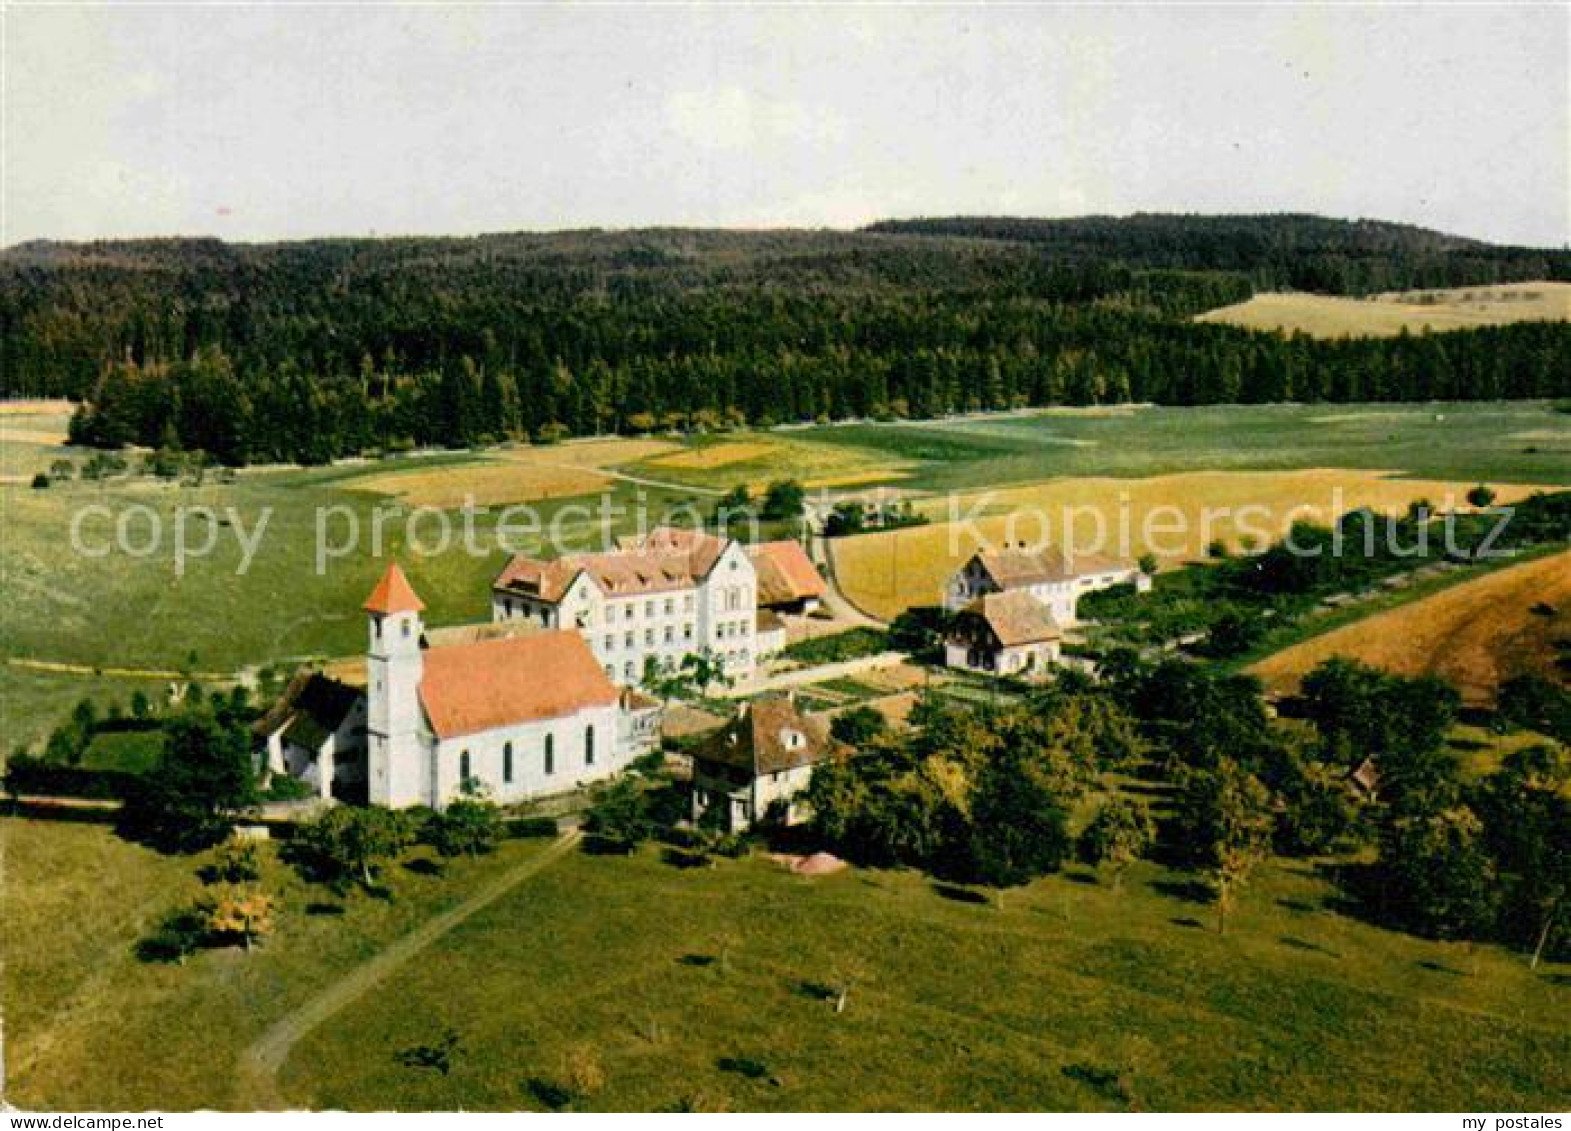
(793, 739)
(406, 629)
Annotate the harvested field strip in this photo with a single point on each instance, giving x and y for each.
(1476, 634)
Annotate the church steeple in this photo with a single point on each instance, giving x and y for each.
(394, 669)
(393, 594)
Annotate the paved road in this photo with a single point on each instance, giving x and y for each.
(257, 1078)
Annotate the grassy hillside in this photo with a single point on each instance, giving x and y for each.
(1326, 316)
(1068, 996)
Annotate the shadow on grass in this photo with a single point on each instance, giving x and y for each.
(683, 860)
(697, 960)
(1297, 905)
(549, 1095)
(1305, 944)
(1087, 878)
(324, 909)
(1186, 921)
(815, 991)
(1439, 968)
(424, 866)
(1103, 1081)
(1189, 891)
(744, 1066)
(959, 894)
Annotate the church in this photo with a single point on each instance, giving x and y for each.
(519, 711)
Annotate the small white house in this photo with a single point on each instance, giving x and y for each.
(755, 765)
(1057, 581)
(316, 732)
(1009, 634)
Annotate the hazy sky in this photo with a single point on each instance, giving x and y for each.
(270, 122)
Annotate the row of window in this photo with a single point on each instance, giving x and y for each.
(629, 608)
(727, 629)
(547, 757)
(630, 639)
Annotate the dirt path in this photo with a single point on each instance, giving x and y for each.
(1475, 634)
(256, 1083)
(834, 597)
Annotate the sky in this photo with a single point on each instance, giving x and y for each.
(278, 122)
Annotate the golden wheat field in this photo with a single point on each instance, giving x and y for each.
(518, 475)
(1174, 517)
(607, 451)
(1324, 316)
(1476, 634)
(715, 455)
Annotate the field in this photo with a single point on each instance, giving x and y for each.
(818, 457)
(1064, 996)
(1167, 515)
(90, 1026)
(1385, 315)
(110, 625)
(1475, 635)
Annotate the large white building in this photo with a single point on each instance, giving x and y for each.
(518, 711)
(676, 592)
(1055, 580)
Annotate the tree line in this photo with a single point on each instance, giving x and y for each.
(310, 351)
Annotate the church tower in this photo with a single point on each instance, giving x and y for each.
(395, 755)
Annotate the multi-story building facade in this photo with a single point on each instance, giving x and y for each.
(672, 594)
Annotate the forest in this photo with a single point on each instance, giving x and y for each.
(309, 351)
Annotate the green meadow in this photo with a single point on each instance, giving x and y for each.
(714, 988)
(120, 621)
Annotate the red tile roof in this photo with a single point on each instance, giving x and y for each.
(1013, 617)
(785, 573)
(668, 559)
(393, 594)
(1011, 568)
(770, 734)
(470, 688)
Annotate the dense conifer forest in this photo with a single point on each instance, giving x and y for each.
(311, 350)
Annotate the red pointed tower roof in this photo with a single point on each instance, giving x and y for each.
(393, 594)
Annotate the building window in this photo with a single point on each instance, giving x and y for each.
(687, 603)
(670, 606)
(463, 768)
(627, 671)
(610, 642)
(550, 753)
(649, 636)
(649, 608)
(406, 625)
(610, 614)
(589, 746)
(687, 632)
(628, 640)
(610, 671)
(507, 762)
(670, 633)
(627, 611)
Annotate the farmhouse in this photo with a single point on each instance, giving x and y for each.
(1056, 580)
(671, 594)
(1010, 633)
(316, 732)
(788, 582)
(753, 767)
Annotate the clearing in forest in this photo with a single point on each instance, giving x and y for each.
(1327, 316)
